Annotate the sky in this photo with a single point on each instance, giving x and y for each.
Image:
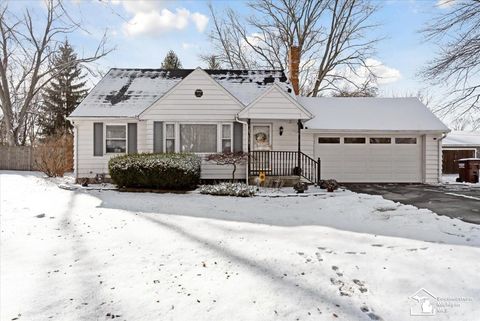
(143, 31)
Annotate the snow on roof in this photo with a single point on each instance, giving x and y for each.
(370, 113)
(247, 85)
(128, 92)
(462, 138)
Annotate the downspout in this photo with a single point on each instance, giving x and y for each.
(440, 157)
(248, 144)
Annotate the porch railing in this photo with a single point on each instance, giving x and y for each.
(284, 163)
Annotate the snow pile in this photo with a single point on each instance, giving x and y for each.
(94, 255)
(228, 189)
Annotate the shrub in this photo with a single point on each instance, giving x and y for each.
(329, 184)
(174, 171)
(233, 159)
(228, 189)
(54, 156)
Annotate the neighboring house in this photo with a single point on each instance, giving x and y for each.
(210, 111)
(458, 145)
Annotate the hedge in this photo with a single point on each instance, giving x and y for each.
(173, 171)
(228, 189)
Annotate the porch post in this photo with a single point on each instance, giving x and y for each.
(248, 148)
(299, 123)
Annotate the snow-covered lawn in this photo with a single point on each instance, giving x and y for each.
(97, 255)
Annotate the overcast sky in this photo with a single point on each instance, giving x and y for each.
(143, 31)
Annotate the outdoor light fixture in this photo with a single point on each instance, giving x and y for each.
(280, 130)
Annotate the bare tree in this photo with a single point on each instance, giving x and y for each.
(331, 36)
(27, 49)
(457, 66)
(212, 61)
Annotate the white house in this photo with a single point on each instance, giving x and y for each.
(209, 111)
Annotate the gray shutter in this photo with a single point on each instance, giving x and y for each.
(97, 139)
(158, 137)
(132, 138)
(237, 137)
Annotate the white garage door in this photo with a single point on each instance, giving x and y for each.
(370, 158)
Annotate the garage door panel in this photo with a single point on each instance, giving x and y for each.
(370, 162)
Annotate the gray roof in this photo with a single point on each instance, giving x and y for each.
(370, 114)
(462, 139)
(128, 92)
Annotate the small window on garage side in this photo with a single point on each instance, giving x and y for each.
(405, 140)
(329, 140)
(354, 140)
(380, 140)
(116, 139)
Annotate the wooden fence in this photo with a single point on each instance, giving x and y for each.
(17, 158)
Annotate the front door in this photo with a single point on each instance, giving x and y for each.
(262, 145)
(262, 139)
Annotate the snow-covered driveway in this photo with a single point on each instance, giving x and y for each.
(97, 255)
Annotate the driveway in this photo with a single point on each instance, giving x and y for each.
(455, 201)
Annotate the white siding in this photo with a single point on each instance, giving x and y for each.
(182, 104)
(89, 165)
(179, 105)
(433, 158)
(274, 105)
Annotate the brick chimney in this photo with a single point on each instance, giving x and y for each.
(293, 67)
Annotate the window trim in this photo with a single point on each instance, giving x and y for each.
(219, 131)
(329, 137)
(175, 139)
(355, 137)
(220, 144)
(105, 125)
(380, 137)
(406, 137)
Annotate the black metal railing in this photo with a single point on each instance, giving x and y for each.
(284, 163)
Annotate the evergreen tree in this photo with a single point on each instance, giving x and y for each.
(171, 61)
(64, 93)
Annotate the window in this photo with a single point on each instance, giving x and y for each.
(169, 138)
(380, 140)
(354, 140)
(116, 139)
(329, 140)
(198, 138)
(226, 138)
(405, 140)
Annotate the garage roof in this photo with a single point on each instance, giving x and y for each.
(462, 138)
(370, 114)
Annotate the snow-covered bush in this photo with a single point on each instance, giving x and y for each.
(329, 184)
(228, 189)
(175, 171)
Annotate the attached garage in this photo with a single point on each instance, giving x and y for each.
(362, 158)
(375, 140)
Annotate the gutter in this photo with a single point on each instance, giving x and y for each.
(244, 123)
(440, 156)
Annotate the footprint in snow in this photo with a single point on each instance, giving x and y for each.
(370, 314)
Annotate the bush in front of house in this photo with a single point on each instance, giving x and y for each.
(171, 171)
(228, 189)
(54, 155)
(329, 184)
